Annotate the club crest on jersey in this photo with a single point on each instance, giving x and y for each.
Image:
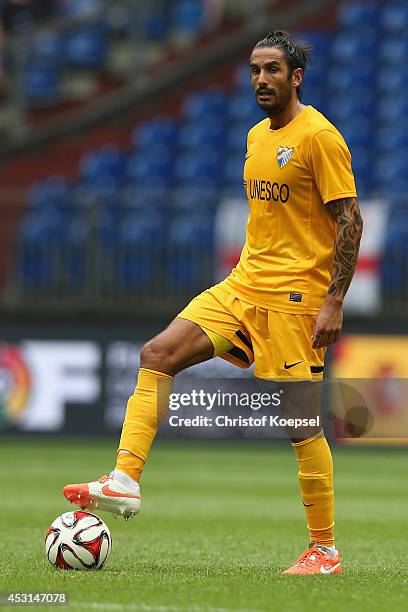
(283, 156)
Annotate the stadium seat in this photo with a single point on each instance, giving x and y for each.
(187, 17)
(40, 241)
(394, 50)
(393, 139)
(243, 107)
(46, 46)
(190, 199)
(315, 96)
(203, 169)
(42, 82)
(344, 78)
(162, 130)
(357, 132)
(352, 47)
(391, 173)
(190, 242)
(395, 17)
(107, 163)
(194, 133)
(212, 101)
(154, 198)
(320, 42)
(154, 168)
(353, 14)
(137, 250)
(77, 8)
(233, 173)
(86, 47)
(394, 264)
(156, 22)
(343, 107)
(242, 78)
(392, 80)
(238, 133)
(315, 76)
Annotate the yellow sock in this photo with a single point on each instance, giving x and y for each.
(316, 487)
(146, 409)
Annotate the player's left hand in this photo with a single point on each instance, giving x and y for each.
(328, 324)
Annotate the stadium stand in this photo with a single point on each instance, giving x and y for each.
(158, 198)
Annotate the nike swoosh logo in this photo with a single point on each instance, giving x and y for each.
(291, 365)
(109, 493)
(248, 156)
(307, 505)
(323, 570)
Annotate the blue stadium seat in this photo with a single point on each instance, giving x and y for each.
(320, 42)
(392, 80)
(162, 130)
(391, 173)
(353, 14)
(394, 265)
(105, 164)
(242, 78)
(154, 198)
(343, 107)
(154, 168)
(238, 133)
(357, 132)
(395, 17)
(392, 140)
(315, 76)
(74, 252)
(71, 8)
(243, 106)
(353, 47)
(190, 241)
(86, 47)
(137, 251)
(210, 101)
(233, 173)
(363, 169)
(191, 199)
(52, 196)
(46, 46)
(392, 107)
(156, 23)
(203, 169)
(345, 77)
(187, 17)
(42, 82)
(394, 50)
(200, 133)
(315, 96)
(40, 241)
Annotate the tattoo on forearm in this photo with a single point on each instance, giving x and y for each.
(348, 235)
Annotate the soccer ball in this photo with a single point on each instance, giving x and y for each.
(78, 540)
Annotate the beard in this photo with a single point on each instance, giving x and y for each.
(277, 104)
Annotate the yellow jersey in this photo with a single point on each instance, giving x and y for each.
(289, 175)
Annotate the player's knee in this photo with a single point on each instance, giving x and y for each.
(155, 356)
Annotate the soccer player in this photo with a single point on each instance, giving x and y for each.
(281, 306)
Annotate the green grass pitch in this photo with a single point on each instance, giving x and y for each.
(219, 523)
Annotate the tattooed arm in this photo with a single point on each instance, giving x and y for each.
(349, 227)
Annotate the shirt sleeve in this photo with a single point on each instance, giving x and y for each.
(331, 166)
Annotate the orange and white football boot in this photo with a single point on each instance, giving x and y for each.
(316, 560)
(108, 494)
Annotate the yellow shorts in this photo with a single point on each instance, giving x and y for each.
(278, 342)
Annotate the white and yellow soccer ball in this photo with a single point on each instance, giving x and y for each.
(78, 540)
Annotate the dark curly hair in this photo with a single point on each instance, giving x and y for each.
(297, 53)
